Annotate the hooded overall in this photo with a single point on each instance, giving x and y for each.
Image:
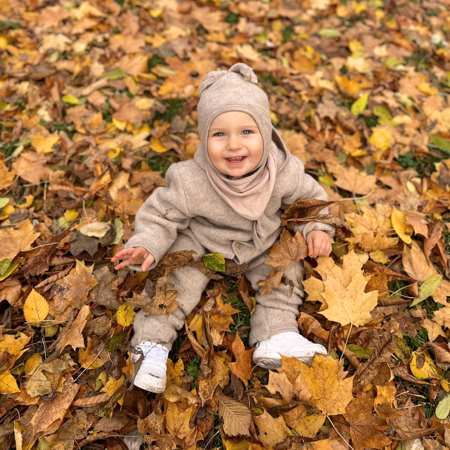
(200, 209)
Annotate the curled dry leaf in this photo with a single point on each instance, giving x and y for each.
(290, 248)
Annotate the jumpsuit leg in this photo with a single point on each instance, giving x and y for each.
(190, 284)
(276, 312)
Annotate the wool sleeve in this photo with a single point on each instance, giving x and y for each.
(160, 218)
(308, 187)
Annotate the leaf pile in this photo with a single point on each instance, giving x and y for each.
(98, 98)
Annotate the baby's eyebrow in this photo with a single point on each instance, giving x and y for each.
(241, 126)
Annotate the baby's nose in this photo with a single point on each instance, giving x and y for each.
(234, 143)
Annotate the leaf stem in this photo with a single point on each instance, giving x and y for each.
(345, 345)
(342, 437)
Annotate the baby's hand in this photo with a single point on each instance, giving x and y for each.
(319, 243)
(134, 255)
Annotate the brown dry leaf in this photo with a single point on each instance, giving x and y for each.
(303, 207)
(271, 431)
(40, 382)
(221, 316)
(74, 336)
(418, 222)
(16, 240)
(50, 415)
(288, 250)
(309, 325)
(30, 167)
(365, 427)
(147, 180)
(271, 282)
(175, 393)
(73, 289)
(279, 382)
(127, 203)
(383, 344)
(434, 330)
(416, 264)
(170, 262)
(354, 181)
(435, 237)
(242, 368)
(236, 416)
(94, 356)
(163, 301)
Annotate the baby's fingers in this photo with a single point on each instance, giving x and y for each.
(310, 244)
(123, 264)
(148, 262)
(121, 254)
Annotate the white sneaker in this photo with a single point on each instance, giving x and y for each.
(267, 353)
(151, 375)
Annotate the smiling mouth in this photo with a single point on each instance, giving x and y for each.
(236, 159)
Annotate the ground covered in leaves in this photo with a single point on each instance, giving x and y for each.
(98, 98)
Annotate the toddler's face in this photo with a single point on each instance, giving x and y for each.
(235, 145)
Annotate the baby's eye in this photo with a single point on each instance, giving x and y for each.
(249, 131)
(219, 132)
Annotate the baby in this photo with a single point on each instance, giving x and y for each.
(227, 200)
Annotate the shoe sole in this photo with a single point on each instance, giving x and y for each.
(150, 383)
(271, 360)
(267, 359)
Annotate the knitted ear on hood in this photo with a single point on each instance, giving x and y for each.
(240, 68)
(245, 71)
(210, 79)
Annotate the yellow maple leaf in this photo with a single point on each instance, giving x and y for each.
(323, 384)
(343, 291)
(349, 304)
(371, 228)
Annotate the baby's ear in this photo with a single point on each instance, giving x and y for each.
(210, 79)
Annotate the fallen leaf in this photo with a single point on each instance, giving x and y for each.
(288, 250)
(365, 428)
(242, 368)
(97, 229)
(125, 315)
(236, 416)
(271, 282)
(6, 176)
(325, 384)
(16, 240)
(271, 431)
(355, 181)
(35, 309)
